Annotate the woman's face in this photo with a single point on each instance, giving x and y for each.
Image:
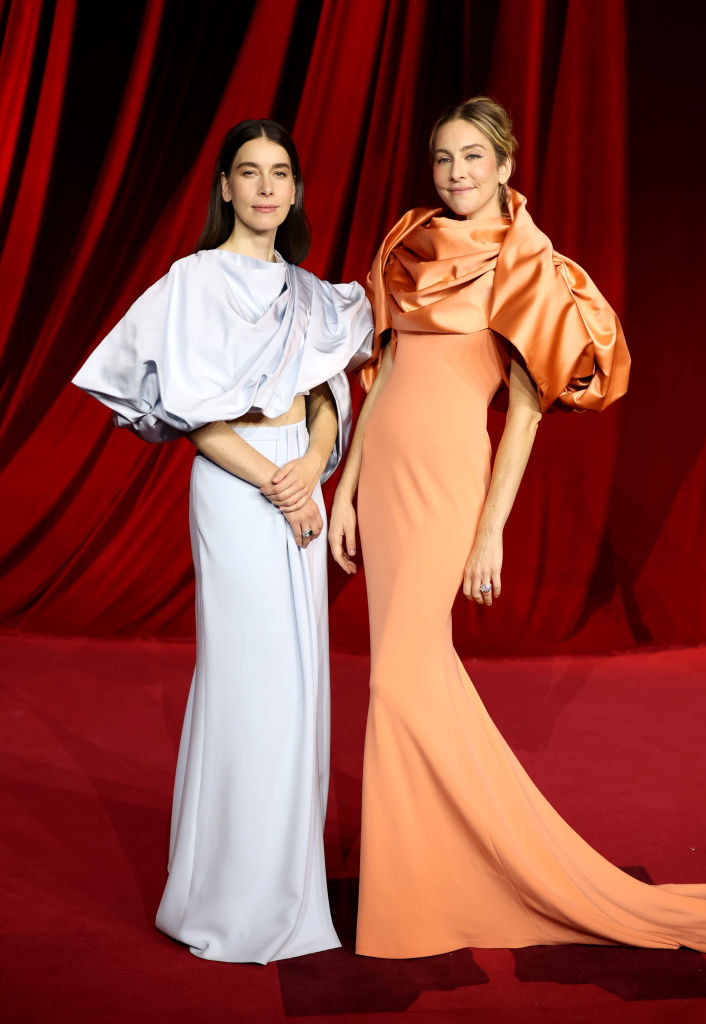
(467, 175)
(260, 186)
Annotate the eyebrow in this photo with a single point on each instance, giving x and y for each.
(472, 145)
(249, 163)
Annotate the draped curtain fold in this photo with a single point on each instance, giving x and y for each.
(24, 208)
(96, 538)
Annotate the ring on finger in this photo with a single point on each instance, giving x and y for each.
(307, 533)
(485, 588)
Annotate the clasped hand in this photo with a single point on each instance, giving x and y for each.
(306, 523)
(294, 482)
(291, 489)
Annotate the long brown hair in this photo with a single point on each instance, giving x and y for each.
(293, 236)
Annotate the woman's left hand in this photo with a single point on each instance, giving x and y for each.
(306, 524)
(293, 484)
(483, 568)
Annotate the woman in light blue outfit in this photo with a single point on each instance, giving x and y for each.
(245, 353)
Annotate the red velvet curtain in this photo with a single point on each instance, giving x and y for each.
(105, 164)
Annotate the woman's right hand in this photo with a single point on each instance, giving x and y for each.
(305, 518)
(292, 485)
(341, 533)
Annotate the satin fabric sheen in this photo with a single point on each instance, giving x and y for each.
(434, 273)
(219, 335)
(247, 876)
(208, 342)
(458, 847)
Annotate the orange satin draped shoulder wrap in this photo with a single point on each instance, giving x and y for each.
(507, 277)
(377, 293)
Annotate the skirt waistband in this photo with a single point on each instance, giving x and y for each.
(263, 433)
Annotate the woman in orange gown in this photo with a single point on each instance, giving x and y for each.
(458, 846)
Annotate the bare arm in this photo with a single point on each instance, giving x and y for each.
(322, 421)
(292, 485)
(485, 560)
(222, 445)
(342, 522)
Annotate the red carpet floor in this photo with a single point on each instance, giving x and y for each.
(89, 735)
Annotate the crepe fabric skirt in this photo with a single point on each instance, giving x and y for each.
(458, 846)
(247, 878)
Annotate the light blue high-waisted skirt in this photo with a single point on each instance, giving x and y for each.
(247, 878)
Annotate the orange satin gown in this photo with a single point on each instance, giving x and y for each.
(459, 848)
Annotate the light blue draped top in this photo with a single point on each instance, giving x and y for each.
(222, 334)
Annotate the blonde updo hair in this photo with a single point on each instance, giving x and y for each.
(491, 118)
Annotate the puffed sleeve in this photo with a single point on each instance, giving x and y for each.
(123, 371)
(339, 340)
(548, 309)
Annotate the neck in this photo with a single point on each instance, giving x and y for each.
(490, 212)
(258, 246)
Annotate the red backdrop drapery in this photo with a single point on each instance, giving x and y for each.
(105, 166)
